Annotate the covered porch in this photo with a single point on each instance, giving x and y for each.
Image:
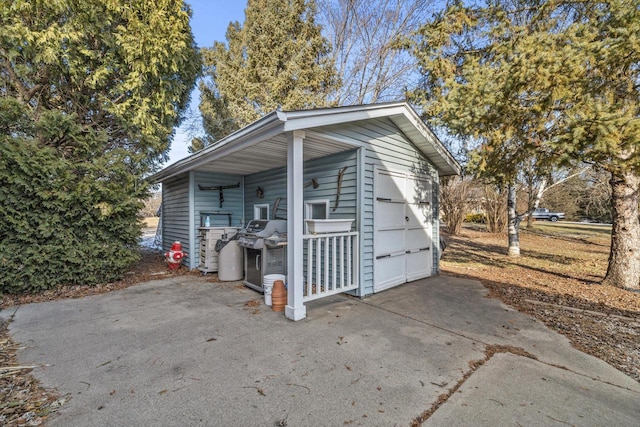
(318, 264)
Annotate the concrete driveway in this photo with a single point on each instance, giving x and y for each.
(186, 352)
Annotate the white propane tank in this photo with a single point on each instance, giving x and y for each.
(231, 262)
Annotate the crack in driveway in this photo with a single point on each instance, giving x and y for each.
(490, 351)
(474, 365)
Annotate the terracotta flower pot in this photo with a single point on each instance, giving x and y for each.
(278, 296)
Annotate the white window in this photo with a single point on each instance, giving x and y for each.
(316, 209)
(261, 211)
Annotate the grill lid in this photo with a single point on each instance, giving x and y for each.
(264, 228)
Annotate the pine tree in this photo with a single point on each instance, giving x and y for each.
(557, 80)
(91, 92)
(276, 59)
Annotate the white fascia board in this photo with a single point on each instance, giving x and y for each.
(278, 122)
(305, 119)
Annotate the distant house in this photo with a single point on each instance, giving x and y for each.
(376, 164)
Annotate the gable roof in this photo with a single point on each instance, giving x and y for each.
(262, 145)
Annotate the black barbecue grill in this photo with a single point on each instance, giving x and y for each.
(264, 243)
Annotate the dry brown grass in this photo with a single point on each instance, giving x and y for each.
(151, 222)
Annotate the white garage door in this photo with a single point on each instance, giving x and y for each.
(403, 234)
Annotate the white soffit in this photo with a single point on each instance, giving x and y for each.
(262, 145)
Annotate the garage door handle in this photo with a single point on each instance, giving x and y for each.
(415, 251)
(383, 256)
(406, 218)
(383, 199)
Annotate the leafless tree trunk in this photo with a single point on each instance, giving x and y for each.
(151, 205)
(624, 257)
(494, 204)
(533, 183)
(364, 35)
(513, 221)
(596, 199)
(535, 190)
(454, 199)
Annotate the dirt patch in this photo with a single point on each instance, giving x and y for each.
(556, 280)
(253, 303)
(22, 400)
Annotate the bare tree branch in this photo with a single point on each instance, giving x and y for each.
(364, 36)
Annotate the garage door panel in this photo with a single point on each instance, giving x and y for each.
(390, 242)
(418, 190)
(390, 271)
(389, 215)
(418, 265)
(416, 239)
(403, 229)
(418, 215)
(390, 186)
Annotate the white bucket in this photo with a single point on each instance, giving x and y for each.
(267, 284)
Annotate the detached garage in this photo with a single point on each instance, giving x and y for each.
(376, 166)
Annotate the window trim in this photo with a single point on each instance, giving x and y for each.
(308, 210)
(258, 207)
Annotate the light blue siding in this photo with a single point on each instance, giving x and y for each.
(178, 199)
(386, 147)
(208, 201)
(273, 184)
(324, 170)
(175, 212)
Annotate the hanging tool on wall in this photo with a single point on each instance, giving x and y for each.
(219, 188)
(313, 182)
(340, 176)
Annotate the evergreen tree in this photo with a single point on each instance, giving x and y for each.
(90, 91)
(553, 79)
(276, 59)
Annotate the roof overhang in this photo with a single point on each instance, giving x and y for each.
(262, 145)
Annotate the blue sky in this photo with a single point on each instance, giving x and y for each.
(209, 23)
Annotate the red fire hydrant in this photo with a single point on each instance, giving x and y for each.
(174, 256)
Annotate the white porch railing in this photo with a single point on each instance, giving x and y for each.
(330, 264)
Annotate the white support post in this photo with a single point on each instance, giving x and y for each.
(295, 309)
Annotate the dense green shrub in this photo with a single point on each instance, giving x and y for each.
(477, 218)
(63, 222)
(90, 94)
